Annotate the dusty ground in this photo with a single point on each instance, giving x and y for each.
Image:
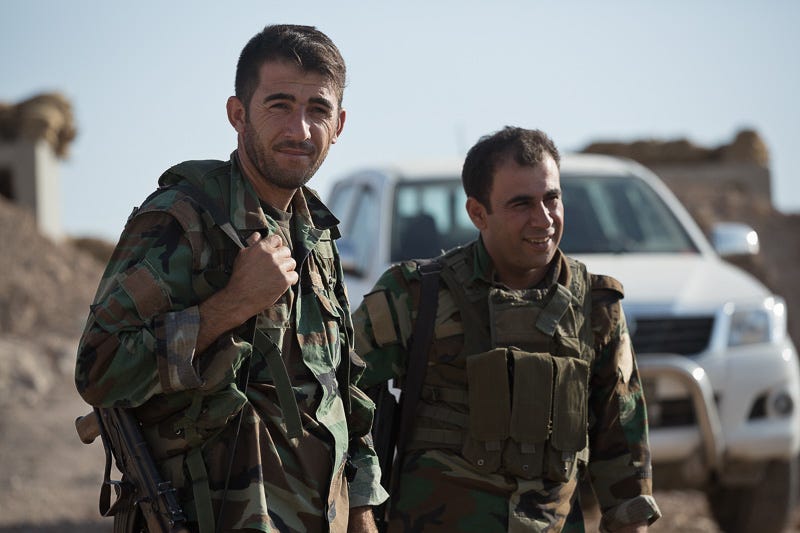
(49, 480)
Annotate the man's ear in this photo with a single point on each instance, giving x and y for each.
(339, 126)
(477, 213)
(237, 115)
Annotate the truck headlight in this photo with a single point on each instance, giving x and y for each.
(760, 323)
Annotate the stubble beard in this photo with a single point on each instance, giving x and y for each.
(268, 167)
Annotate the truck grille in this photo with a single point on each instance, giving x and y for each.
(684, 336)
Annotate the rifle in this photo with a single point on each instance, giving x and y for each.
(141, 485)
(394, 420)
(384, 437)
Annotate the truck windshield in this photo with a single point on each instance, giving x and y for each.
(602, 215)
(429, 217)
(618, 215)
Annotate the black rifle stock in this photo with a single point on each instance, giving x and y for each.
(141, 485)
(384, 438)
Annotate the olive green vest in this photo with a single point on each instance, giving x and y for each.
(515, 400)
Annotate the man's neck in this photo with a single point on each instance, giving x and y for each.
(546, 276)
(520, 282)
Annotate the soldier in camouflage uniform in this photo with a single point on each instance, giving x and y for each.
(531, 377)
(171, 333)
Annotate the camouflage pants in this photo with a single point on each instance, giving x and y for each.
(439, 492)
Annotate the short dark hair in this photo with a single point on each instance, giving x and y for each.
(526, 147)
(305, 46)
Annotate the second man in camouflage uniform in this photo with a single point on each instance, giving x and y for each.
(531, 377)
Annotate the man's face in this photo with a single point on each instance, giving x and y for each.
(291, 120)
(526, 222)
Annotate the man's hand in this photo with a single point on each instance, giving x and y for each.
(361, 520)
(261, 274)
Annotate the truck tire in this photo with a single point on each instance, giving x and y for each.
(764, 507)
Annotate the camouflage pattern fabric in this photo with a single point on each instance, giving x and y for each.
(441, 491)
(137, 351)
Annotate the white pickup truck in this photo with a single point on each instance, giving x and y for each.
(720, 372)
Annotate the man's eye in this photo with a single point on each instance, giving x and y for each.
(323, 112)
(553, 201)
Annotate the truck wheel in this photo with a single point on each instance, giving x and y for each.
(764, 507)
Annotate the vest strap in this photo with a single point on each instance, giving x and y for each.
(444, 414)
(552, 313)
(283, 384)
(211, 207)
(476, 333)
(443, 394)
(187, 424)
(201, 490)
(460, 266)
(447, 437)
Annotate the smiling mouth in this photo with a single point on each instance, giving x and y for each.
(542, 240)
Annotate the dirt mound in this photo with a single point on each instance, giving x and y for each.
(46, 286)
(45, 291)
(48, 478)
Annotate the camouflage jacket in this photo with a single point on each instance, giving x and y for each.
(137, 351)
(439, 487)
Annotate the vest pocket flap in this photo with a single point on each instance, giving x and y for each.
(570, 404)
(512, 324)
(533, 396)
(489, 395)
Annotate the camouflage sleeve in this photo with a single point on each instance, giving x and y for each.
(140, 334)
(382, 324)
(619, 464)
(365, 488)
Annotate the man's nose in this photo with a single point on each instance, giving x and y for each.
(298, 126)
(540, 216)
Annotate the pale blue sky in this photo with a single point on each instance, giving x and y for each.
(148, 80)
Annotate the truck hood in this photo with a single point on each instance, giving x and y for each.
(676, 282)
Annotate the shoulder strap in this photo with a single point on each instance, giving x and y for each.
(421, 338)
(207, 207)
(477, 336)
(211, 207)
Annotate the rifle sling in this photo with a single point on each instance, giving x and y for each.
(210, 206)
(421, 338)
(283, 383)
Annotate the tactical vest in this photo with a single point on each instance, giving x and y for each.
(515, 400)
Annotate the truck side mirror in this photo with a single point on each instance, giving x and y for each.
(734, 238)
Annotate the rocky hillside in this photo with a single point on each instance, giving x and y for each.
(45, 291)
(49, 480)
